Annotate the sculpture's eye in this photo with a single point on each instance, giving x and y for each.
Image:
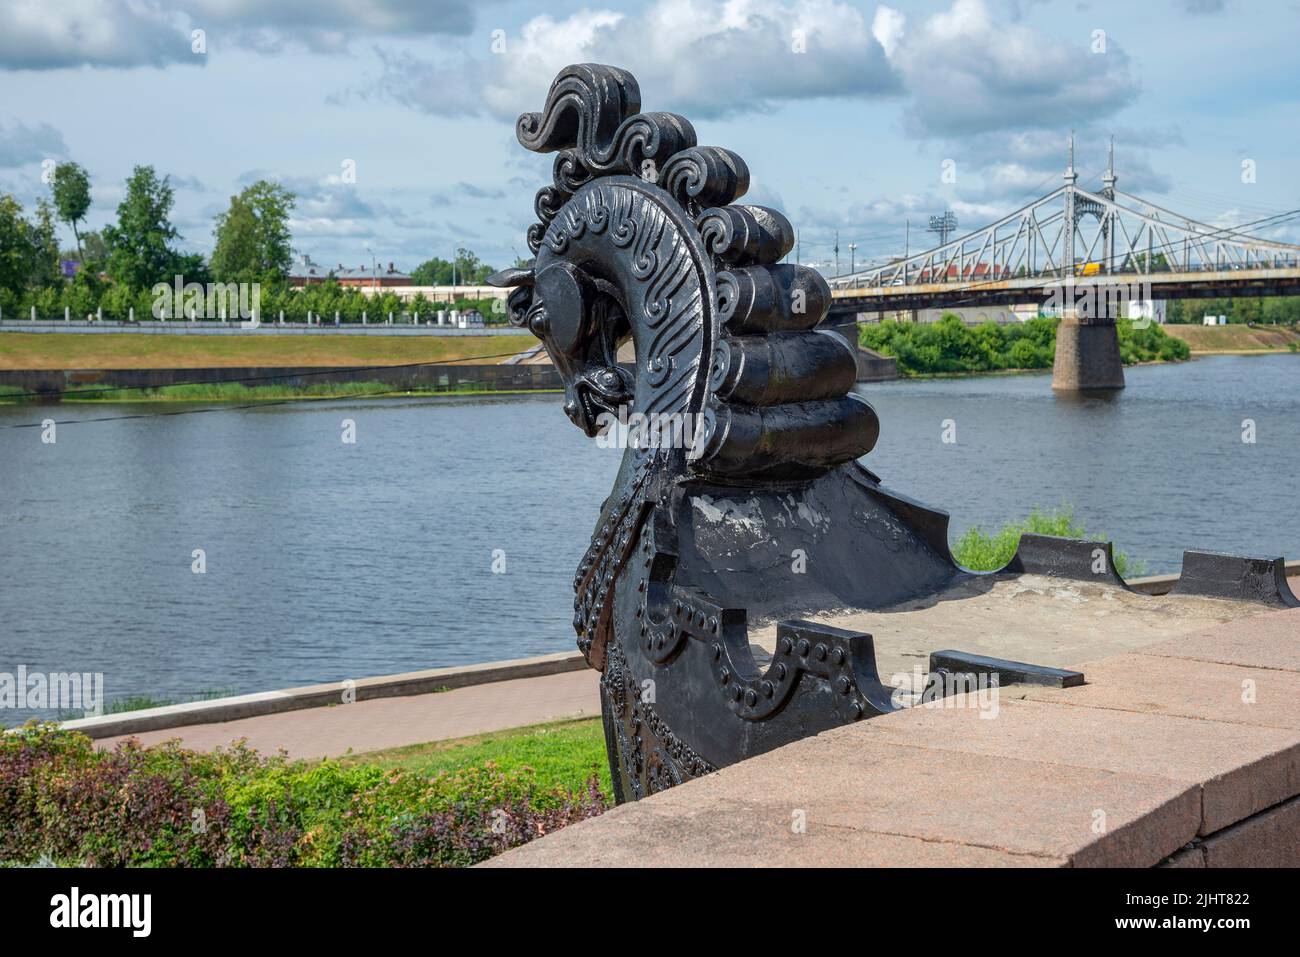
(538, 322)
(559, 286)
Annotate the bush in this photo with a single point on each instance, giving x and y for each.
(1151, 344)
(170, 807)
(984, 552)
(951, 346)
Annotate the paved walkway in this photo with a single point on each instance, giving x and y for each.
(1187, 750)
(393, 722)
(375, 724)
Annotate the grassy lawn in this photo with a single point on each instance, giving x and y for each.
(29, 351)
(241, 392)
(563, 754)
(1233, 338)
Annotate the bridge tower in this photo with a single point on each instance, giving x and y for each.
(1108, 218)
(1087, 339)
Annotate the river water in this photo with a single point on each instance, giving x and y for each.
(326, 560)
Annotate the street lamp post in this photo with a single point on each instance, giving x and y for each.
(853, 247)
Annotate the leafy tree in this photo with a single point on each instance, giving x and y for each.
(29, 250)
(118, 301)
(384, 303)
(82, 295)
(45, 247)
(432, 272)
(96, 250)
(467, 264)
(71, 187)
(193, 268)
(253, 235)
(139, 245)
(470, 270)
(1272, 309)
(951, 346)
(16, 247)
(466, 270)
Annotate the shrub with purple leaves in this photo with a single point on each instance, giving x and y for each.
(165, 806)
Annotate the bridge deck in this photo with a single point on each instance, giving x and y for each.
(1031, 289)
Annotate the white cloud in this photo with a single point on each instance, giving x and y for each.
(962, 70)
(326, 25)
(39, 35)
(966, 73)
(47, 35)
(887, 28)
(700, 57)
(1020, 166)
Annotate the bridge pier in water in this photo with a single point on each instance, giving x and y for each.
(1087, 351)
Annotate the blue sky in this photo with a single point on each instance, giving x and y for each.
(852, 133)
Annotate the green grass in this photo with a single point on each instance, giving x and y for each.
(139, 702)
(234, 392)
(562, 754)
(55, 350)
(142, 702)
(982, 551)
(240, 392)
(1236, 337)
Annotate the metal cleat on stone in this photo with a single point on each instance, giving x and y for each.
(1217, 575)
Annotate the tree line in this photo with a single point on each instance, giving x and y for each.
(951, 346)
(120, 264)
(1266, 310)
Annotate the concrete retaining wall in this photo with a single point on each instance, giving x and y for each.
(872, 366)
(421, 377)
(323, 695)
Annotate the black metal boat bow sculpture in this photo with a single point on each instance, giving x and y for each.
(765, 513)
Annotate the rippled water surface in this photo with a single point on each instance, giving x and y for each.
(328, 561)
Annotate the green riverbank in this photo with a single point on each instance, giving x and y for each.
(950, 347)
(239, 392)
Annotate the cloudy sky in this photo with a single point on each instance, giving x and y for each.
(848, 113)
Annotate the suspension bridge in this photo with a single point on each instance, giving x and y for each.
(1083, 253)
